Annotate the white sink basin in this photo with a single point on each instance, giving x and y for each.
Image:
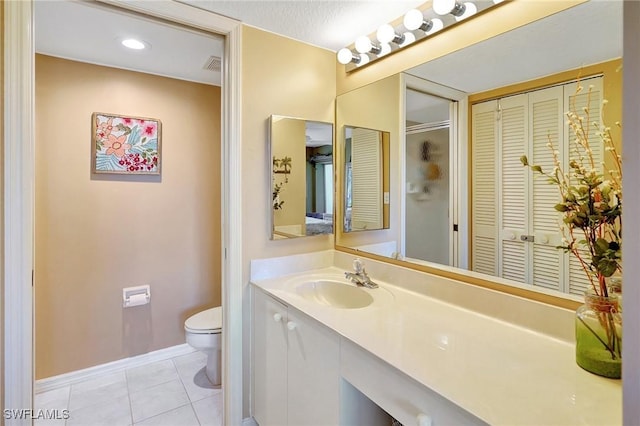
(335, 294)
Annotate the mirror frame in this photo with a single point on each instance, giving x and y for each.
(271, 172)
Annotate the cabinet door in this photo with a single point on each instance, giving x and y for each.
(269, 360)
(313, 374)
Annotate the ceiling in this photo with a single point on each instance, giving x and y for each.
(331, 24)
(86, 32)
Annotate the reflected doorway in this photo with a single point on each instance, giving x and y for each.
(428, 235)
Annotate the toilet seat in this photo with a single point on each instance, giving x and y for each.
(206, 322)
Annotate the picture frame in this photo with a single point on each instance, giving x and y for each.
(127, 145)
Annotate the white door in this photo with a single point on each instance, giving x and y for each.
(484, 202)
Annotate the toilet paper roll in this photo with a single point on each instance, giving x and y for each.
(137, 300)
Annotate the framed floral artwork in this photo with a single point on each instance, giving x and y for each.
(125, 145)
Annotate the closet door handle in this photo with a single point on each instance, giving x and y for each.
(277, 317)
(291, 325)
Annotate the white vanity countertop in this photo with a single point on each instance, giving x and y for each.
(501, 373)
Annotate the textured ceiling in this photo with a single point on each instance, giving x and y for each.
(332, 24)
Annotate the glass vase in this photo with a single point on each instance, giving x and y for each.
(599, 335)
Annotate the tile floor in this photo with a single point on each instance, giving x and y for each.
(174, 392)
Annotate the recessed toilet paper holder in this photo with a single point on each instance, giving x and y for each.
(136, 296)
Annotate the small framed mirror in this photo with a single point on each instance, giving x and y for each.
(366, 179)
(302, 177)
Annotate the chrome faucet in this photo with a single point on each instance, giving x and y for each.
(360, 277)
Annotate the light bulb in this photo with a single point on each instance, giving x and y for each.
(132, 43)
(345, 56)
(364, 59)
(409, 38)
(413, 19)
(385, 49)
(470, 9)
(364, 45)
(437, 25)
(386, 34)
(443, 7)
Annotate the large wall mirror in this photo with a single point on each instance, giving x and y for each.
(302, 177)
(448, 191)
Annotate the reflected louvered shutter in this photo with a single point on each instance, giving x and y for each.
(366, 179)
(484, 200)
(578, 281)
(513, 133)
(546, 109)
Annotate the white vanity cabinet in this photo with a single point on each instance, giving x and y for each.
(296, 377)
(408, 401)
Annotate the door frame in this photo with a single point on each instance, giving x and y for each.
(458, 161)
(18, 196)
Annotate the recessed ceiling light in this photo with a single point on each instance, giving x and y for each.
(132, 43)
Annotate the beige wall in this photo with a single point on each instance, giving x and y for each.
(98, 234)
(376, 106)
(284, 77)
(290, 141)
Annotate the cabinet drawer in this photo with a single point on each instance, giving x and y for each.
(405, 399)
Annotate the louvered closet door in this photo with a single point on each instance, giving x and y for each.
(577, 281)
(547, 123)
(513, 214)
(366, 179)
(484, 201)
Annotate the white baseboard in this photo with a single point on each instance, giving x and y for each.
(72, 377)
(249, 421)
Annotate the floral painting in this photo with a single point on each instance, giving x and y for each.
(125, 145)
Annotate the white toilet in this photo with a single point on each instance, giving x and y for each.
(204, 333)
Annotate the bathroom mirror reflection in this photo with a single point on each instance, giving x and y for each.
(538, 65)
(366, 179)
(302, 177)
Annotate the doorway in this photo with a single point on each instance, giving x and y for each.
(19, 132)
(428, 196)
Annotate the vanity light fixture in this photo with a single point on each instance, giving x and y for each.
(409, 38)
(414, 20)
(364, 45)
(445, 7)
(470, 9)
(387, 34)
(346, 56)
(417, 25)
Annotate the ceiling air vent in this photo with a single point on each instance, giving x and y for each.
(213, 64)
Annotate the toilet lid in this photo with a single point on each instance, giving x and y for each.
(208, 321)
